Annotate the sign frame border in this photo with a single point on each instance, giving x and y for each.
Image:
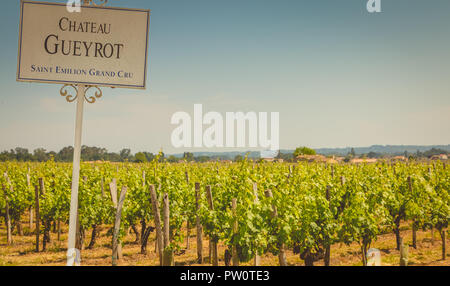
(19, 79)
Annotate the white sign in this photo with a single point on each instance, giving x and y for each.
(101, 46)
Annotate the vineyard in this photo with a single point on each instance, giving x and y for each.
(241, 213)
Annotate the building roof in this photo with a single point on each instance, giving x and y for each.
(363, 160)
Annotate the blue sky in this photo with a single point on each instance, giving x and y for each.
(337, 75)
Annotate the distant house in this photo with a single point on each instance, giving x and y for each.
(363, 160)
(273, 160)
(332, 161)
(399, 158)
(311, 158)
(339, 159)
(439, 157)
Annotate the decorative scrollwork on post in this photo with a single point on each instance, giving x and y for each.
(93, 3)
(98, 93)
(69, 97)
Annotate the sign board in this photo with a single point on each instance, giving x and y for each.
(102, 46)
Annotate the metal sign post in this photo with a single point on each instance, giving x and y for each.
(71, 260)
(73, 254)
(71, 251)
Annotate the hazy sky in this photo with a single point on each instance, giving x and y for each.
(337, 75)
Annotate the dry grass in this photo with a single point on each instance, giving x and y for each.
(21, 252)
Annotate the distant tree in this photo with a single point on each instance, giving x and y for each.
(238, 158)
(8, 156)
(188, 156)
(65, 154)
(202, 159)
(373, 155)
(352, 152)
(215, 158)
(278, 156)
(22, 154)
(125, 154)
(140, 158)
(40, 154)
(52, 155)
(304, 151)
(412, 157)
(431, 152)
(149, 156)
(93, 153)
(288, 157)
(172, 159)
(113, 157)
(162, 156)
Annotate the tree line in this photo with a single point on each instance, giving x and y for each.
(66, 155)
(101, 154)
(97, 154)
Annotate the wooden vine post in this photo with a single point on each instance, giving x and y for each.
(145, 231)
(188, 230)
(7, 218)
(143, 178)
(282, 254)
(432, 227)
(78, 235)
(113, 191)
(46, 223)
(403, 253)
(79, 238)
(59, 230)
(213, 240)
(167, 252)
(115, 239)
(442, 231)
(327, 257)
(30, 210)
(257, 260)
(36, 209)
(234, 252)
(198, 224)
(414, 230)
(41, 186)
(156, 213)
(158, 199)
(102, 185)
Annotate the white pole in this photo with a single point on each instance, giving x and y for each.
(73, 255)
